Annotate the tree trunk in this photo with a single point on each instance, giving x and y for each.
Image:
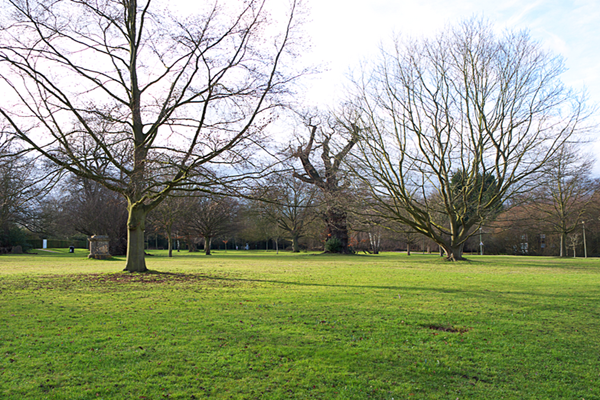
(455, 253)
(207, 243)
(136, 224)
(170, 240)
(375, 240)
(563, 244)
(336, 228)
(277, 245)
(408, 249)
(295, 245)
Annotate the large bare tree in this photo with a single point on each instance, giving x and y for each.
(455, 125)
(328, 173)
(162, 99)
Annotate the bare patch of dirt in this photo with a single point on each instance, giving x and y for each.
(148, 277)
(447, 328)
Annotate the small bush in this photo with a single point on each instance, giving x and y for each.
(333, 245)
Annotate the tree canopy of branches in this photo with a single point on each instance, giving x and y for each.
(455, 125)
(14, 196)
(86, 207)
(290, 205)
(565, 191)
(328, 177)
(210, 217)
(22, 185)
(170, 214)
(157, 99)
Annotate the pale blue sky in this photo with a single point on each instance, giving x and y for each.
(346, 31)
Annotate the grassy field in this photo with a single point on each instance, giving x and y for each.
(255, 325)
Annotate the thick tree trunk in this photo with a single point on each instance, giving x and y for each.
(295, 245)
(136, 224)
(563, 244)
(455, 253)
(408, 249)
(207, 243)
(336, 227)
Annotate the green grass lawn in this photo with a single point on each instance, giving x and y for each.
(255, 325)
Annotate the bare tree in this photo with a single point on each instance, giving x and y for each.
(565, 190)
(329, 178)
(289, 204)
(13, 178)
(575, 239)
(256, 224)
(211, 216)
(161, 99)
(455, 125)
(367, 227)
(169, 214)
(23, 184)
(83, 206)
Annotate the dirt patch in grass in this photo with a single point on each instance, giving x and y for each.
(149, 277)
(124, 280)
(159, 278)
(100, 280)
(447, 328)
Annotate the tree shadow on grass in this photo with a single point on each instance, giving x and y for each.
(507, 296)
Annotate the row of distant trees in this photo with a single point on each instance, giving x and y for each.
(166, 116)
(289, 213)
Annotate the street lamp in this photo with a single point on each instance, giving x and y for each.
(584, 243)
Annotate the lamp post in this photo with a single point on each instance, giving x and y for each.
(584, 243)
(480, 243)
